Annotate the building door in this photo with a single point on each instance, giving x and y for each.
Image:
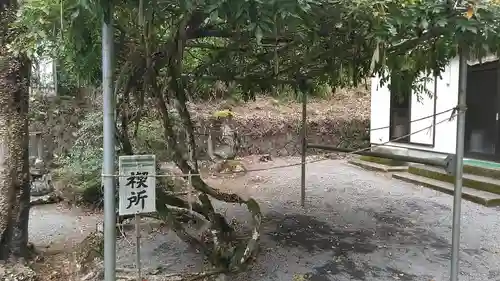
(400, 108)
(482, 116)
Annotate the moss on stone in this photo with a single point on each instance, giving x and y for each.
(442, 176)
(223, 113)
(383, 161)
(481, 171)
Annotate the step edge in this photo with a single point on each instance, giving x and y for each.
(468, 176)
(367, 165)
(486, 199)
(377, 166)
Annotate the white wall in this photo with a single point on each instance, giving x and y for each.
(446, 98)
(379, 115)
(422, 109)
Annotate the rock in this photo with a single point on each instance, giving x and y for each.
(31, 161)
(16, 272)
(222, 277)
(333, 156)
(85, 262)
(265, 158)
(50, 198)
(89, 252)
(224, 141)
(37, 166)
(95, 274)
(41, 185)
(229, 167)
(225, 152)
(41, 181)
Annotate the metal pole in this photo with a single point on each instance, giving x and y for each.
(108, 149)
(138, 246)
(457, 200)
(304, 149)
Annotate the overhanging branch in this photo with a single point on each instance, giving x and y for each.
(409, 44)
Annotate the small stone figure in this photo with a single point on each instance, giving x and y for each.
(265, 158)
(224, 137)
(41, 182)
(223, 144)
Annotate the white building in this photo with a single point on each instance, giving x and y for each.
(398, 118)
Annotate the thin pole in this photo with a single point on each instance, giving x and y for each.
(138, 246)
(304, 150)
(457, 200)
(108, 149)
(190, 179)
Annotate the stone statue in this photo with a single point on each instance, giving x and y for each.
(222, 139)
(223, 144)
(41, 182)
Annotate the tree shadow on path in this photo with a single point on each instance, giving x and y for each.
(309, 234)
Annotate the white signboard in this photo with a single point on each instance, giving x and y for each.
(137, 184)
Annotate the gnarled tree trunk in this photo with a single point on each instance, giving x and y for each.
(14, 142)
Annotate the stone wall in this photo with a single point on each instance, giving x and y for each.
(267, 129)
(285, 139)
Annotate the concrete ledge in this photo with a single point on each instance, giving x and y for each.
(372, 166)
(469, 180)
(383, 161)
(477, 196)
(482, 171)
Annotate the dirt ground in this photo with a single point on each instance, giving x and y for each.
(343, 104)
(357, 225)
(55, 230)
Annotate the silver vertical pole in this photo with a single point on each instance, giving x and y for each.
(303, 150)
(109, 149)
(457, 200)
(138, 246)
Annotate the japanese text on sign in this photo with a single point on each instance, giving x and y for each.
(137, 184)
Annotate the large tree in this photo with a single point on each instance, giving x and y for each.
(14, 138)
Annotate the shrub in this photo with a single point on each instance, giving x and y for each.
(79, 175)
(80, 169)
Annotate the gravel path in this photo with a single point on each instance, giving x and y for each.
(57, 227)
(362, 226)
(357, 225)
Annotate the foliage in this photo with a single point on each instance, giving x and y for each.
(81, 167)
(339, 42)
(149, 139)
(437, 30)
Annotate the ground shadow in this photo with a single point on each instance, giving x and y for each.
(302, 231)
(310, 234)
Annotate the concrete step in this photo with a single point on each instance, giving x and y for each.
(383, 161)
(478, 196)
(372, 166)
(469, 180)
(482, 171)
